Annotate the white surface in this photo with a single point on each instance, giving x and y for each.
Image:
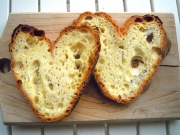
(24, 5)
(111, 5)
(58, 130)
(82, 5)
(53, 6)
(138, 5)
(4, 12)
(152, 128)
(122, 129)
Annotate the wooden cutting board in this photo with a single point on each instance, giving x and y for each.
(159, 102)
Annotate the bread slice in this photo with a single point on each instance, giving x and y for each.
(129, 55)
(52, 76)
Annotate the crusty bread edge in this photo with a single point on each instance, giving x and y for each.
(87, 74)
(165, 47)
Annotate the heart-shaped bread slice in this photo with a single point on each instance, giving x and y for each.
(52, 76)
(129, 55)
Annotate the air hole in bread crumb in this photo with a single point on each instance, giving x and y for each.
(112, 86)
(77, 56)
(105, 42)
(88, 18)
(101, 60)
(102, 30)
(126, 86)
(136, 60)
(35, 64)
(78, 64)
(50, 86)
(141, 29)
(18, 65)
(27, 48)
(50, 63)
(60, 105)
(78, 48)
(36, 99)
(121, 46)
(96, 29)
(31, 41)
(149, 37)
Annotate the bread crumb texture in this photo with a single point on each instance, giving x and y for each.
(129, 56)
(52, 76)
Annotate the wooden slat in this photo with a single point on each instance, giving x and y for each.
(82, 5)
(168, 6)
(111, 5)
(122, 129)
(58, 130)
(53, 6)
(138, 6)
(93, 129)
(4, 11)
(24, 6)
(92, 106)
(152, 128)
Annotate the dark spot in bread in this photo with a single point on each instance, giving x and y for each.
(96, 29)
(159, 51)
(138, 20)
(158, 19)
(135, 63)
(136, 60)
(19, 82)
(149, 37)
(88, 18)
(39, 33)
(67, 111)
(148, 18)
(77, 56)
(25, 29)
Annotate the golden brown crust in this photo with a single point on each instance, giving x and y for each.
(87, 74)
(164, 48)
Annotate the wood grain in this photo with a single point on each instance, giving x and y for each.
(161, 100)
